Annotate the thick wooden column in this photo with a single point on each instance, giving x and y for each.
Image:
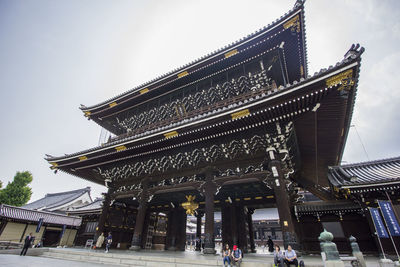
(181, 217)
(234, 223)
(242, 231)
(250, 212)
(199, 217)
(282, 201)
(209, 191)
(171, 230)
(104, 214)
(141, 215)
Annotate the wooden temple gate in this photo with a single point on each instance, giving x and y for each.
(239, 129)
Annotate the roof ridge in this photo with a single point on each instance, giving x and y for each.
(370, 162)
(86, 189)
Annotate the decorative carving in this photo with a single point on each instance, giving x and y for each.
(293, 24)
(195, 101)
(344, 78)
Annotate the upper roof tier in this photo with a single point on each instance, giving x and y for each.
(331, 92)
(280, 47)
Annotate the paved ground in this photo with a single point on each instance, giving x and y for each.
(30, 261)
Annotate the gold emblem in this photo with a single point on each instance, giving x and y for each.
(293, 24)
(190, 206)
(345, 79)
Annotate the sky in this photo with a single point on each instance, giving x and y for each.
(56, 55)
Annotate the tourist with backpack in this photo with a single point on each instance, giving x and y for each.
(236, 256)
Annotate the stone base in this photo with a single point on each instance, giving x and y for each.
(397, 263)
(386, 263)
(135, 248)
(360, 258)
(337, 263)
(209, 251)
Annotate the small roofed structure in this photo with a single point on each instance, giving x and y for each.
(48, 228)
(63, 201)
(356, 187)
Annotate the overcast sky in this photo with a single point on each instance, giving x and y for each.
(56, 55)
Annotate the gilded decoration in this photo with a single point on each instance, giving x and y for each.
(190, 206)
(344, 78)
(171, 134)
(293, 24)
(143, 91)
(183, 74)
(231, 53)
(240, 114)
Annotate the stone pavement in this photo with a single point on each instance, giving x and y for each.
(31, 261)
(88, 258)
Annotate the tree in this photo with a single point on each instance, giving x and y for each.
(17, 193)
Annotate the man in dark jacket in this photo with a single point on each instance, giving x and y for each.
(27, 244)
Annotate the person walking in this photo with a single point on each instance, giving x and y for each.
(236, 256)
(100, 241)
(27, 244)
(108, 242)
(226, 255)
(290, 256)
(278, 257)
(270, 244)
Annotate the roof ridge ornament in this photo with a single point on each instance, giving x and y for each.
(355, 51)
(299, 3)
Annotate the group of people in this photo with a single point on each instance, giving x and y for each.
(288, 257)
(100, 241)
(233, 257)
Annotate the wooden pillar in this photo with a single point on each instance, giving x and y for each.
(235, 238)
(199, 216)
(226, 226)
(104, 214)
(250, 212)
(283, 202)
(209, 191)
(171, 230)
(181, 217)
(242, 228)
(141, 215)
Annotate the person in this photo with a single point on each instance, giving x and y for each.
(108, 242)
(236, 256)
(290, 256)
(27, 244)
(278, 257)
(226, 255)
(100, 241)
(270, 244)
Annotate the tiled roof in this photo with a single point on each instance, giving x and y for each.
(18, 213)
(51, 201)
(96, 205)
(385, 171)
(351, 56)
(298, 6)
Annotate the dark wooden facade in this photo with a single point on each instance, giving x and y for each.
(240, 129)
